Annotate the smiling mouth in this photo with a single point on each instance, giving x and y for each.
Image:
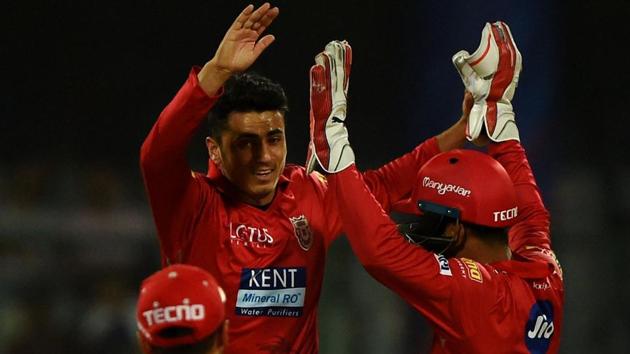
(265, 172)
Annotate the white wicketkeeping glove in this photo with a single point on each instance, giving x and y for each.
(330, 76)
(491, 75)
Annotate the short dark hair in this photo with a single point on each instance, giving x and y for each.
(201, 347)
(246, 92)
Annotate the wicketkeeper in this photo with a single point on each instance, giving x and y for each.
(479, 265)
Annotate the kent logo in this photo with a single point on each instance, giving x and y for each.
(271, 292)
(270, 278)
(539, 328)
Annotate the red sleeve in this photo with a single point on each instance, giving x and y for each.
(394, 181)
(450, 293)
(532, 226)
(330, 210)
(174, 193)
(389, 184)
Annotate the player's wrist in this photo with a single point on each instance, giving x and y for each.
(212, 77)
(454, 137)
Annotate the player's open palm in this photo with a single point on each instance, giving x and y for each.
(242, 43)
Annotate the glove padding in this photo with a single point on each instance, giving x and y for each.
(329, 79)
(491, 74)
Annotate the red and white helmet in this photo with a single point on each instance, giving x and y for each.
(467, 185)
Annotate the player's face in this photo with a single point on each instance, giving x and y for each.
(253, 152)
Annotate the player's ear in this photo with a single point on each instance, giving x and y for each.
(457, 232)
(214, 150)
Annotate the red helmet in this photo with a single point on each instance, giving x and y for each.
(468, 185)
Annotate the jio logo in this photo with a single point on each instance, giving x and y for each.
(539, 328)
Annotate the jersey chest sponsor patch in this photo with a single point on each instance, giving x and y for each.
(271, 292)
(250, 236)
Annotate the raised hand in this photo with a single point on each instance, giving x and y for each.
(242, 44)
(240, 47)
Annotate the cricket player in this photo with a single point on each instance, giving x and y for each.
(259, 226)
(181, 310)
(485, 276)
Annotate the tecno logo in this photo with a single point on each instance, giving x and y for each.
(443, 188)
(505, 215)
(185, 312)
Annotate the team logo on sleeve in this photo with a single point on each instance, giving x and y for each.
(303, 232)
(539, 327)
(271, 292)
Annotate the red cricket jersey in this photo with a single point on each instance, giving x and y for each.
(513, 306)
(269, 262)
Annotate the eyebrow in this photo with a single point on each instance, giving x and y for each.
(275, 132)
(255, 136)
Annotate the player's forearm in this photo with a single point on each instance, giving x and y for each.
(394, 181)
(374, 238)
(511, 156)
(533, 218)
(167, 176)
(531, 230)
(407, 269)
(168, 140)
(365, 223)
(453, 137)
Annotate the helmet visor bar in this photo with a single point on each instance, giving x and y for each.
(428, 229)
(438, 209)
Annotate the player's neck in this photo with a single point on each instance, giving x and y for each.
(262, 202)
(484, 252)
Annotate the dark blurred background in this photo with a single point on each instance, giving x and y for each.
(83, 81)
